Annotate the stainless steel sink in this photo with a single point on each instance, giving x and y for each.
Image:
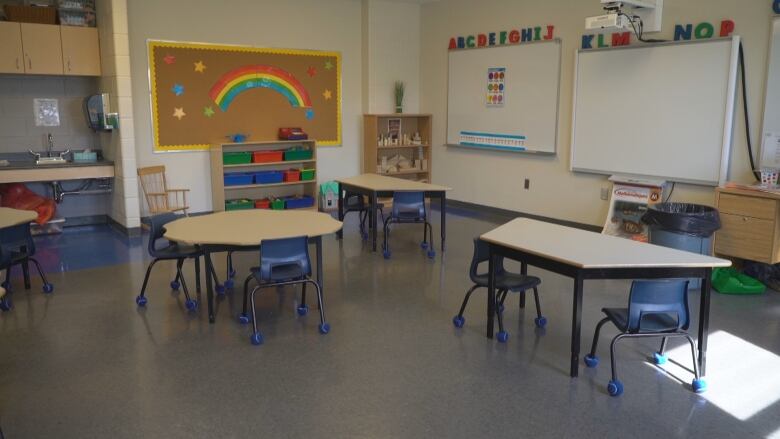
(50, 158)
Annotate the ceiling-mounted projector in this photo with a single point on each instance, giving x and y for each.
(620, 15)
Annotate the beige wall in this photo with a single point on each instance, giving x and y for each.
(496, 179)
(301, 24)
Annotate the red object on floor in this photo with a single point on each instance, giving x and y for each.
(18, 196)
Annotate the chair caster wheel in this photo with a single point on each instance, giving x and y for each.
(229, 284)
(458, 321)
(243, 319)
(256, 338)
(191, 304)
(175, 285)
(659, 359)
(324, 328)
(232, 273)
(615, 388)
(431, 254)
(48, 288)
(591, 360)
(699, 385)
(424, 245)
(6, 304)
(302, 310)
(502, 336)
(141, 301)
(220, 289)
(540, 322)
(386, 254)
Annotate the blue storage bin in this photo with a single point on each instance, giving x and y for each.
(237, 178)
(298, 202)
(268, 177)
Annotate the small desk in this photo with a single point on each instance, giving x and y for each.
(375, 186)
(13, 217)
(246, 229)
(582, 255)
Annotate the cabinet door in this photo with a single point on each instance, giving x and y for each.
(42, 49)
(11, 49)
(80, 51)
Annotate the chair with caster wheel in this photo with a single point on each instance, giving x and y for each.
(357, 203)
(163, 250)
(656, 308)
(282, 262)
(409, 207)
(19, 249)
(506, 282)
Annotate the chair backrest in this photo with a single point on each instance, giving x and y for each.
(157, 229)
(284, 259)
(665, 296)
(16, 237)
(153, 184)
(482, 254)
(409, 204)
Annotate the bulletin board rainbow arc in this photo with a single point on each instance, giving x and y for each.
(203, 93)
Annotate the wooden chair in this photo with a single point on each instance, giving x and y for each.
(159, 197)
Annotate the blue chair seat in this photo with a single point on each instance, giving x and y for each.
(280, 273)
(508, 281)
(650, 322)
(176, 251)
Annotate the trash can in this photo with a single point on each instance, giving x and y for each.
(683, 226)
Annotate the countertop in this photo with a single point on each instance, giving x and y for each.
(30, 164)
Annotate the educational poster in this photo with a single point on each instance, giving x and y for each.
(496, 78)
(770, 151)
(627, 205)
(202, 94)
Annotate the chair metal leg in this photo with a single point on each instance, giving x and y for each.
(26, 273)
(7, 283)
(246, 291)
(466, 300)
(179, 263)
(501, 297)
(612, 355)
(596, 336)
(693, 355)
(197, 273)
(303, 294)
(230, 273)
(385, 244)
(663, 347)
(319, 300)
(522, 299)
(500, 315)
(538, 305)
(40, 270)
(146, 278)
(254, 314)
(180, 276)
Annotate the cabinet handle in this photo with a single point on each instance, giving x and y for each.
(29, 62)
(69, 64)
(18, 67)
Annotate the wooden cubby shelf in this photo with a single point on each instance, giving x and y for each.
(376, 125)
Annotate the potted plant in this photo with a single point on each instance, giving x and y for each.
(399, 97)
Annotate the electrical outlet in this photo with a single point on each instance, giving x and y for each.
(527, 184)
(605, 193)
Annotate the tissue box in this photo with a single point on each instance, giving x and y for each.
(85, 157)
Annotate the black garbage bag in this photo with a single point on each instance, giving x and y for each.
(685, 218)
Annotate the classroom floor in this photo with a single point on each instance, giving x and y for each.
(86, 363)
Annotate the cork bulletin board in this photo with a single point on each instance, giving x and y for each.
(203, 93)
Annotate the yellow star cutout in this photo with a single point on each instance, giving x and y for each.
(200, 67)
(179, 113)
(327, 94)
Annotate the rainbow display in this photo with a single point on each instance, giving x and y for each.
(236, 81)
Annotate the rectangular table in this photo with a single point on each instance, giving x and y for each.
(375, 186)
(582, 255)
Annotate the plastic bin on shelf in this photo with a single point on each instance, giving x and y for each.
(297, 154)
(236, 158)
(268, 177)
(292, 175)
(307, 174)
(267, 156)
(277, 204)
(241, 204)
(265, 203)
(298, 202)
(237, 179)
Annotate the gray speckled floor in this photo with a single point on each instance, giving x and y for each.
(85, 363)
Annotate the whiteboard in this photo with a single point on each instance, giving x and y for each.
(660, 111)
(529, 108)
(770, 138)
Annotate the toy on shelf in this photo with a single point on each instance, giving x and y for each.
(292, 134)
(238, 137)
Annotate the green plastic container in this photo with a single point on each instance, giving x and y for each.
(236, 158)
(731, 281)
(297, 154)
(307, 174)
(242, 204)
(277, 204)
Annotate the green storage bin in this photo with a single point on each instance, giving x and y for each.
(236, 158)
(297, 154)
(730, 281)
(307, 174)
(242, 204)
(277, 204)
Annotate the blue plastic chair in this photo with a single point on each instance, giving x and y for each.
(506, 282)
(409, 207)
(357, 203)
(19, 249)
(282, 262)
(163, 250)
(656, 308)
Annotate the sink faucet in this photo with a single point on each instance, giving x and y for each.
(51, 145)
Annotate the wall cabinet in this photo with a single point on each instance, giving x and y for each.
(11, 54)
(43, 49)
(80, 51)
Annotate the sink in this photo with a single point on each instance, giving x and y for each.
(49, 160)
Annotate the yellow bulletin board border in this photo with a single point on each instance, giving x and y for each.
(153, 44)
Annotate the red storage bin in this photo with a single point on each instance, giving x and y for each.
(265, 203)
(267, 156)
(292, 175)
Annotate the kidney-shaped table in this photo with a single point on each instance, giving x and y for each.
(246, 230)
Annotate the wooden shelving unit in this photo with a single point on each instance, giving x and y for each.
(376, 125)
(220, 193)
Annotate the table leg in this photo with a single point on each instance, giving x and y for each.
(340, 233)
(209, 284)
(26, 273)
(491, 295)
(524, 272)
(443, 208)
(704, 319)
(320, 270)
(372, 214)
(576, 326)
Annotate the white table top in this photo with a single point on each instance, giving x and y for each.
(584, 249)
(376, 182)
(13, 217)
(250, 227)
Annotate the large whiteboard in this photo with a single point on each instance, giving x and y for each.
(770, 139)
(662, 111)
(530, 106)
